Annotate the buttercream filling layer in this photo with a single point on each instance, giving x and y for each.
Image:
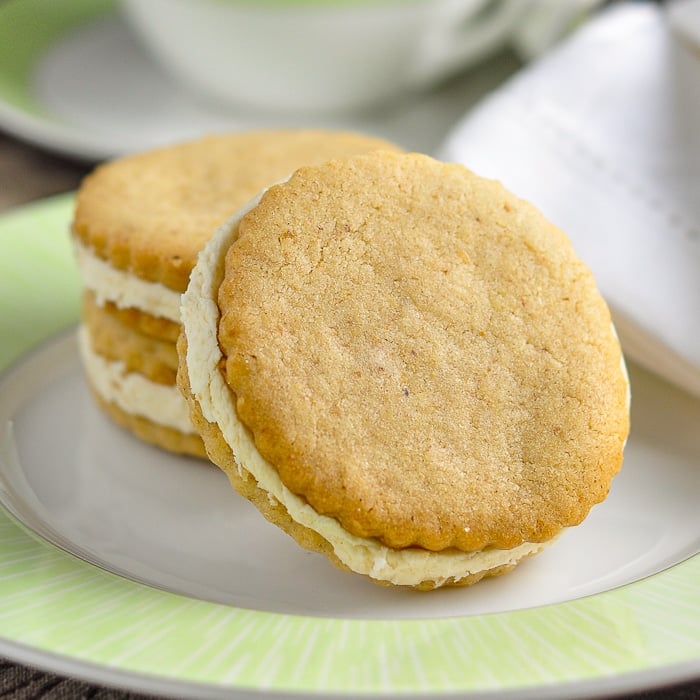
(410, 566)
(133, 392)
(124, 289)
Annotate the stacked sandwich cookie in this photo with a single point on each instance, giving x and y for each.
(138, 226)
(406, 368)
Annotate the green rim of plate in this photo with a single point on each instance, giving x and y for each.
(54, 603)
(27, 28)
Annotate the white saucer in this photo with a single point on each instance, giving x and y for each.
(84, 87)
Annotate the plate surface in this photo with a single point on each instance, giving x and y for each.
(233, 606)
(79, 83)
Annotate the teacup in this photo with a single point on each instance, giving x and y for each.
(319, 55)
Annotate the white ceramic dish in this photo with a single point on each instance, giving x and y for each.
(84, 87)
(121, 564)
(332, 57)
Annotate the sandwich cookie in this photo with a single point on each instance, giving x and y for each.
(139, 223)
(405, 367)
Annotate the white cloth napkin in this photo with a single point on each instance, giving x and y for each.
(603, 135)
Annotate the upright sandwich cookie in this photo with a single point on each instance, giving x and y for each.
(406, 368)
(139, 224)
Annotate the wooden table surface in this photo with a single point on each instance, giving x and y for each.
(27, 174)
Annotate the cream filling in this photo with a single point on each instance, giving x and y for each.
(411, 566)
(133, 392)
(124, 289)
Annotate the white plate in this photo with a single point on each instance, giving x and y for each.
(205, 598)
(84, 87)
(174, 523)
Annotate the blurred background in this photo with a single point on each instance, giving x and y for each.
(84, 81)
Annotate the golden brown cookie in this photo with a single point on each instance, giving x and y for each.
(140, 221)
(143, 322)
(116, 341)
(365, 557)
(150, 214)
(411, 363)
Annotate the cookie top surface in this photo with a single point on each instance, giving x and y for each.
(151, 213)
(421, 355)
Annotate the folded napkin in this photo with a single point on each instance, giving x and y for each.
(602, 133)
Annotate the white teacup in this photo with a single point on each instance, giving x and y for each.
(319, 55)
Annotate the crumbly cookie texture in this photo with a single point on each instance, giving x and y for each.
(421, 356)
(412, 567)
(114, 340)
(138, 225)
(433, 218)
(151, 213)
(143, 322)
